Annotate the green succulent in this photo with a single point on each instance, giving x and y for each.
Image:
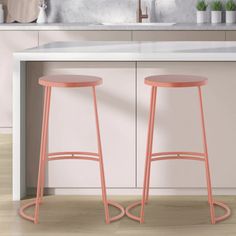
(201, 5)
(230, 5)
(216, 6)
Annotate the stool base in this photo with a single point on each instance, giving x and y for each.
(56, 156)
(216, 203)
(181, 155)
(193, 156)
(33, 203)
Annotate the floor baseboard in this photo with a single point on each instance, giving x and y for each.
(136, 191)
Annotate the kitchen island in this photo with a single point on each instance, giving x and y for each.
(123, 100)
(33, 35)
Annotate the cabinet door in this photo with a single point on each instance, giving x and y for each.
(230, 35)
(178, 35)
(9, 43)
(72, 124)
(177, 125)
(50, 36)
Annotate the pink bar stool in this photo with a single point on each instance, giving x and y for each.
(175, 81)
(68, 81)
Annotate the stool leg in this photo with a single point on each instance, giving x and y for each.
(149, 152)
(103, 182)
(44, 134)
(209, 189)
(45, 156)
(44, 162)
(151, 143)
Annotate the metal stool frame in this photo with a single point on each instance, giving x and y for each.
(150, 157)
(44, 157)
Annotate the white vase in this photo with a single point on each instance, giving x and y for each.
(1, 14)
(230, 17)
(216, 17)
(42, 17)
(201, 17)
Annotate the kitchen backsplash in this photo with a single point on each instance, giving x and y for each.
(182, 11)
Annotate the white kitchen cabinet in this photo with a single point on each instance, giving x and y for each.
(11, 41)
(179, 35)
(72, 124)
(52, 36)
(177, 125)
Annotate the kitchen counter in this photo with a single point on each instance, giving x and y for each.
(117, 27)
(131, 51)
(125, 64)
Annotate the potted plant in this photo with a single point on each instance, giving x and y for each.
(201, 11)
(230, 8)
(216, 12)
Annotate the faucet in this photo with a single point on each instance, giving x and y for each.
(140, 16)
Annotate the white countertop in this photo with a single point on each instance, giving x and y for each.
(115, 27)
(130, 51)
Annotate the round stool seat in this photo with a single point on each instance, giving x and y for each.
(70, 81)
(175, 81)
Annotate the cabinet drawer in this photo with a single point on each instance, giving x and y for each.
(179, 35)
(52, 36)
(231, 35)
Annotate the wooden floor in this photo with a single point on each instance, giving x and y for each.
(5, 164)
(75, 215)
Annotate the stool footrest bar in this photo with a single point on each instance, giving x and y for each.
(179, 153)
(193, 156)
(89, 156)
(74, 153)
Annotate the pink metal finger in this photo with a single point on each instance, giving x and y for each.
(194, 156)
(148, 154)
(42, 149)
(44, 158)
(104, 194)
(209, 189)
(151, 143)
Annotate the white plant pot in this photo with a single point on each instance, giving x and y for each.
(230, 17)
(1, 14)
(42, 17)
(201, 17)
(216, 17)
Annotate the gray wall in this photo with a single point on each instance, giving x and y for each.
(120, 10)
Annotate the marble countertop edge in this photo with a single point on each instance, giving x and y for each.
(130, 51)
(115, 27)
